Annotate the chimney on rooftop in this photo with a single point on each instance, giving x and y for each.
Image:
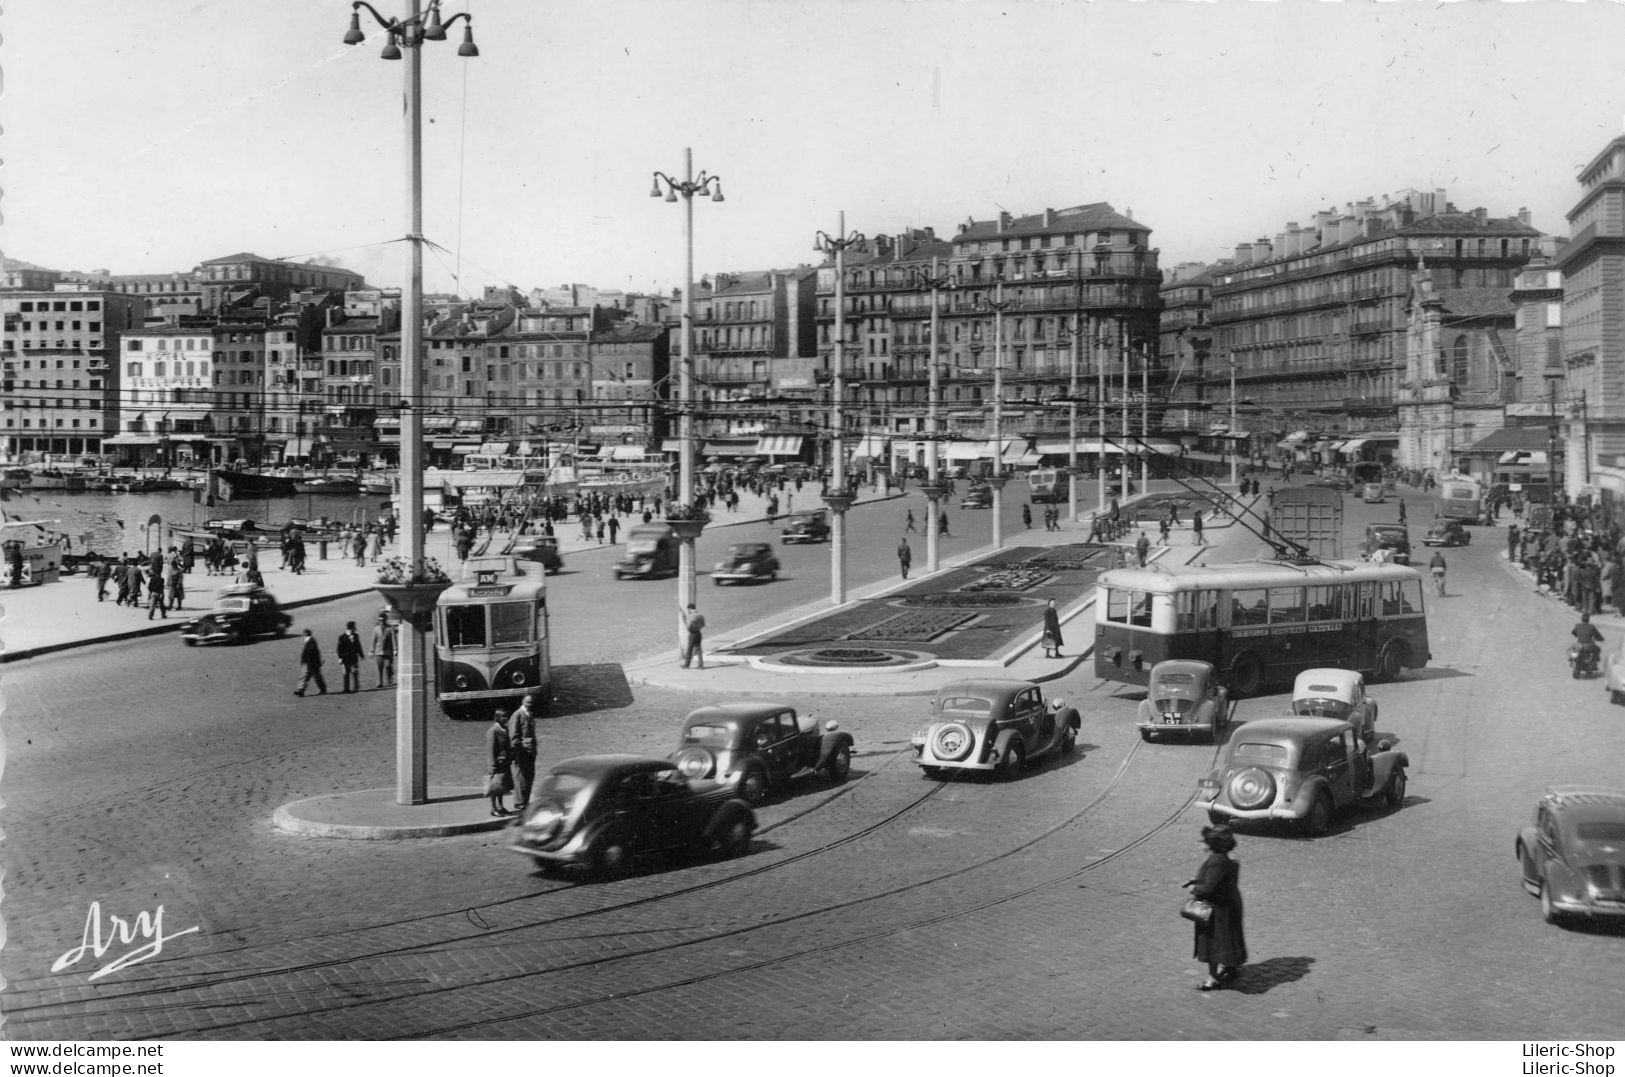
(1523, 214)
(1049, 218)
(1244, 253)
(1004, 220)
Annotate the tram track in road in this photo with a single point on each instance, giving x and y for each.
(605, 960)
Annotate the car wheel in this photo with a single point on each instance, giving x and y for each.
(753, 785)
(1319, 819)
(1013, 761)
(772, 577)
(235, 637)
(617, 577)
(1246, 677)
(1548, 911)
(1069, 740)
(611, 859)
(1391, 661)
(840, 765)
(190, 642)
(1145, 735)
(952, 742)
(735, 839)
(1394, 794)
(716, 581)
(1526, 872)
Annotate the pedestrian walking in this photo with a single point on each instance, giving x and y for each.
(155, 594)
(904, 556)
(383, 648)
(1163, 525)
(375, 546)
(498, 781)
(1052, 631)
(350, 655)
(908, 524)
(1196, 528)
(175, 579)
(1142, 548)
(522, 748)
(1097, 528)
(310, 665)
(1512, 543)
(1221, 940)
(103, 571)
(693, 636)
(942, 524)
(1027, 516)
(133, 583)
(614, 526)
(1401, 508)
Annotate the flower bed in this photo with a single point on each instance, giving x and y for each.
(914, 627)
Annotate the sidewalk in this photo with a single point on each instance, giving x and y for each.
(55, 617)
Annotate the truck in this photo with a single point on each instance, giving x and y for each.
(1310, 517)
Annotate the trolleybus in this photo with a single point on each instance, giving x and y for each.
(1261, 622)
(1364, 471)
(490, 638)
(1046, 484)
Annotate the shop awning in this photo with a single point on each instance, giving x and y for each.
(870, 445)
(1353, 445)
(1163, 445)
(495, 448)
(730, 448)
(298, 447)
(991, 448)
(672, 445)
(440, 443)
(779, 445)
(969, 450)
(1333, 446)
(463, 448)
(1086, 446)
(1293, 439)
(437, 423)
(469, 426)
(131, 439)
(627, 452)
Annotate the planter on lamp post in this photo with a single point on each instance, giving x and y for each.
(686, 530)
(413, 602)
(933, 491)
(838, 502)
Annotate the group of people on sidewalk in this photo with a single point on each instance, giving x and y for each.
(158, 579)
(510, 745)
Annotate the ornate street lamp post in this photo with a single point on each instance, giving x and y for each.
(933, 488)
(672, 189)
(411, 715)
(838, 498)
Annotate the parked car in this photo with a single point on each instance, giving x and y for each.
(1393, 537)
(1331, 482)
(806, 527)
(1185, 697)
(1372, 493)
(599, 812)
(541, 549)
(651, 550)
(1573, 857)
(977, 497)
(241, 612)
(1300, 770)
(993, 725)
(753, 747)
(746, 561)
(1444, 532)
(1335, 693)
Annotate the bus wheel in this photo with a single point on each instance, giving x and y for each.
(1391, 661)
(1246, 676)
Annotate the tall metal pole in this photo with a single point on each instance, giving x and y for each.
(933, 507)
(1122, 334)
(1096, 344)
(1072, 422)
(998, 478)
(837, 481)
(1145, 420)
(411, 711)
(1235, 479)
(686, 570)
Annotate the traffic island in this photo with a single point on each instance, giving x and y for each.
(375, 815)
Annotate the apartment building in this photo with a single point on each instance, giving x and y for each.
(59, 368)
(1317, 322)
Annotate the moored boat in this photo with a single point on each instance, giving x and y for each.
(332, 486)
(251, 484)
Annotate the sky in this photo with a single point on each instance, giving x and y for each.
(145, 136)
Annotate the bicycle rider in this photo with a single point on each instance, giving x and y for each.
(1437, 567)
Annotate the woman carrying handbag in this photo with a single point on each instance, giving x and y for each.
(500, 781)
(1219, 938)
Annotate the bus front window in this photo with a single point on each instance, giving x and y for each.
(510, 623)
(465, 626)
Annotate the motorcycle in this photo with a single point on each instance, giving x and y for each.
(1583, 659)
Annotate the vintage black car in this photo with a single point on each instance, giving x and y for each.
(1573, 857)
(806, 527)
(240, 612)
(1393, 537)
(993, 725)
(1300, 770)
(539, 549)
(751, 747)
(977, 497)
(746, 561)
(599, 812)
(1444, 532)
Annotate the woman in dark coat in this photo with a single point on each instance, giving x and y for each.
(1220, 942)
(1052, 631)
(500, 780)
